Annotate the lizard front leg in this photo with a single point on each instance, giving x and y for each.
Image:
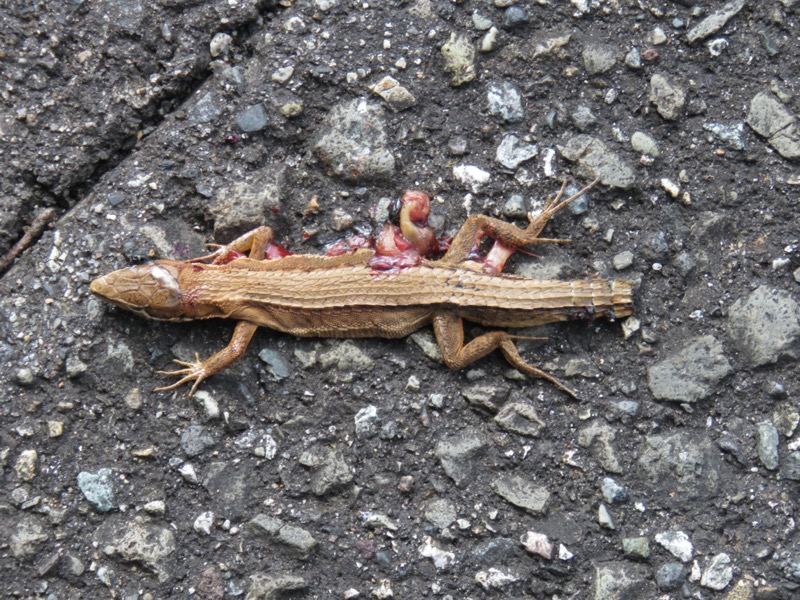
(508, 234)
(449, 331)
(199, 370)
(255, 243)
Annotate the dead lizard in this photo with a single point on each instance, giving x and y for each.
(345, 296)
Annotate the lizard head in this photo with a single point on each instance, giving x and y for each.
(151, 291)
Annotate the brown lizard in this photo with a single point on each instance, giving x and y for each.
(344, 296)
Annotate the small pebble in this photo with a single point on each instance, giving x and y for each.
(717, 47)
(781, 263)
(203, 522)
(630, 408)
(366, 421)
(156, 507)
(505, 101)
(791, 466)
(719, 573)
(295, 24)
(630, 326)
(598, 58)
(27, 465)
(638, 547)
(457, 145)
(459, 57)
(767, 444)
(515, 16)
(512, 152)
(730, 134)
(658, 37)
(670, 576)
(252, 119)
(676, 543)
(105, 574)
(537, 543)
(613, 492)
(406, 484)
(489, 41)
(685, 263)
(643, 143)
(277, 366)
(195, 440)
(283, 74)
(672, 188)
(75, 366)
(291, 109)
(470, 176)
(209, 404)
(769, 45)
(583, 117)
(633, 59)
(604, 517)
(133, 399)
(397, 97)
(580, 205)
(564, 553)
(623, 260)
(188, 472)
(220, 44)
(98, 488)
(480, 22)
(24, 376)
(650, 55)
(514, 207)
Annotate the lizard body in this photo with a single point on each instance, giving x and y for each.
(343, 296)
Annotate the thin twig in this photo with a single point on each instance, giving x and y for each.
(37, 227)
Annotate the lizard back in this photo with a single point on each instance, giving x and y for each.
(507, 298)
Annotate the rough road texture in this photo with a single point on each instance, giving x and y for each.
(365, 468)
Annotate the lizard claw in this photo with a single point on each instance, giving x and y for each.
(194, 371)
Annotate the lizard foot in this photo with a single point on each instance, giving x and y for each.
(551, 207)
(195, 371)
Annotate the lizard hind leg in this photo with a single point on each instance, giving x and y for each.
(477, 226)
(449, 331)
(512, 355)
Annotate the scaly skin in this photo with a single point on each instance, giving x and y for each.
(345, 296)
